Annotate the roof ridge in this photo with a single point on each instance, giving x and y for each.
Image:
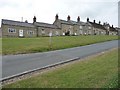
(15, 21)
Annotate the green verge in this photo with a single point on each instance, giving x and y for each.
(100, 71)
(42, 44)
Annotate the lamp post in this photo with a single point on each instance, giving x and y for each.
(50, 40)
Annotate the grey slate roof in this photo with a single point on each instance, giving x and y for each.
(71, 22)
(65, 22)
(41, 24)
(16, 23)
(96, 25)
(113, 29)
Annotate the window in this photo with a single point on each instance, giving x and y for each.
(70, 27)
(75, 34)
(99, 32)
(70, 32)
(80, 27)
(89, 27)
(30, 32)
(89, 32)
(11, 30)
(80, 31)
(57, 33)
(43, 31)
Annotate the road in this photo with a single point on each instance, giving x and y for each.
(15, 64)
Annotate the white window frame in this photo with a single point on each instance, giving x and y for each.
(89, 27)
(75, 34)
(81, 27)
(11, 30)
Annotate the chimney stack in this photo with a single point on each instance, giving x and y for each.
(112, 26)
(87, 19)
(68, 18)
(78, 19)
(56, 17)
(99, 22)
(94, 21)
(34, 19)
(104, 23)
(26, 21)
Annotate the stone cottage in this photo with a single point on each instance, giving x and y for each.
(97, 28)
(45, 29)
(110, 29)
(12, 28)
(70, 27)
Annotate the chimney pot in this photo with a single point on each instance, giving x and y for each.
(68, 18)
(34, 19)
(26, 21)
(103, 23)
(112, 26)
(94, 21)
(87, 19)
(78, 19)
(99, 22)
(56, 17)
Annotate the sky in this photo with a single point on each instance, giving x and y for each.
(45, 10)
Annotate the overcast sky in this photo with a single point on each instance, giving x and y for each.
(45, 10)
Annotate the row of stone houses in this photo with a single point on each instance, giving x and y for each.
(60, 27)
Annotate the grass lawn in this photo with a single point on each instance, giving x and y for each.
(41, 44)
(100, 71)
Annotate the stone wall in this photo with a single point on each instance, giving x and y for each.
(44, 31)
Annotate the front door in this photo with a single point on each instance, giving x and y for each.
(20, 33)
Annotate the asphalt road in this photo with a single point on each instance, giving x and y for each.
(15, 64)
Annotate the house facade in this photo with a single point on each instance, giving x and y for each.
(118, 29)
(110, 29)
(60, 27)
(70, 27)
(97, 28)
(17, 29)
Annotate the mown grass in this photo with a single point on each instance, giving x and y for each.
(42, 44)
(96, 72)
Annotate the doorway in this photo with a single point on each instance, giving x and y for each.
(21, 33)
